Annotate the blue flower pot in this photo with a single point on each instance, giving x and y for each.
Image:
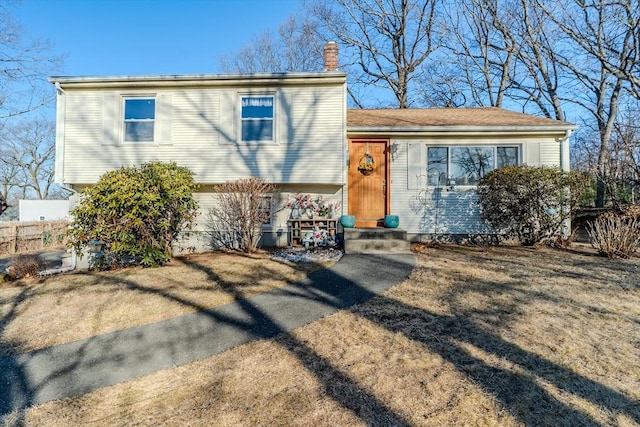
(391, 221)
(348, 221)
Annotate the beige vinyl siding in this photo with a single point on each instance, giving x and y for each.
(84, 120)
(549, 153)
(457, 211)
(275, 234)
(198, 128)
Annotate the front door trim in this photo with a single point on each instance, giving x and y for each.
(387, 175)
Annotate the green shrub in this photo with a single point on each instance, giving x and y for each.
(530, 204)
(137, 213)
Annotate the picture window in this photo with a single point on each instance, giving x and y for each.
(465, 165)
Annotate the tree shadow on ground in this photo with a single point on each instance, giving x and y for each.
(517, 390)
(15, 391)
(351, 281)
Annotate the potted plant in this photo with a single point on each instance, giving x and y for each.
(391, 221)
(348, 221)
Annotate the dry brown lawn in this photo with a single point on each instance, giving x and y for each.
(75, 306)
(504, 336)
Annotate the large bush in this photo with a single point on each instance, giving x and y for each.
(531, 204)
(137, 213)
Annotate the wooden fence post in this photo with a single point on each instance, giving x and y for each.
(15, 240)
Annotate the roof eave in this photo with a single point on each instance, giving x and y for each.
(421, 130)
(331, 77)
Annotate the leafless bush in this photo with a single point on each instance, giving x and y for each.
(615, 236)
(26, 265)
(241, 209)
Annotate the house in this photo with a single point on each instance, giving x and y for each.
(43, 210)
(294, 130)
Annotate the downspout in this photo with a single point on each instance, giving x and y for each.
(60, 116)
(565, 166)
(60, 130)
(565, 156)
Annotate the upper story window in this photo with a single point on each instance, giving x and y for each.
(139, 119)
(466, 165)
(257, 118)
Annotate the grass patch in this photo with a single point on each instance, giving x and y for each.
(502, 336)
(40, 312)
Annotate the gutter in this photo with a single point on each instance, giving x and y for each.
(194, 80)
(422, 130)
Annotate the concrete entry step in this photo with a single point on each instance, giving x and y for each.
(375, 233)
(376, 241)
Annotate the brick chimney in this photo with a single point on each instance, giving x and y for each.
(331, 56)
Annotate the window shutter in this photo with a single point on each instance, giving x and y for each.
(111, 119)
(164, 118)
(416, 166)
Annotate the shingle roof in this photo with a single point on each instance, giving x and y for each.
(445, 117)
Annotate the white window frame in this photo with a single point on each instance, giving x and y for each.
(418, 163)
(450, 179)
(144, 120)
(242, 120)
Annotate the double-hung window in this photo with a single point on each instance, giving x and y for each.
(257, 118)
(465, 165)
(139, 119)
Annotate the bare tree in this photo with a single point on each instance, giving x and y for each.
(479, 52)
(384, 42)
(546, 55)
(600, 37)
(296, 47)
(11, 180)
(23, 68)
(497, 54)
(608, 31)
(27, 153)
(241, 209)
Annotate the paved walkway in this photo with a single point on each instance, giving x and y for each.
(83, 366)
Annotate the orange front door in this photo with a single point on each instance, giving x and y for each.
(368, 187)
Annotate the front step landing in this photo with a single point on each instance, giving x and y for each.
(375, 241)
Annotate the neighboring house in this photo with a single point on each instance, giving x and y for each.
(293, 130)
(43, 210)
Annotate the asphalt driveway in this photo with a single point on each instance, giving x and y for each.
(82, 366)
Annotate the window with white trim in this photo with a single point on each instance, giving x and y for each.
(257, 118)
(139, 119)
(456, 165)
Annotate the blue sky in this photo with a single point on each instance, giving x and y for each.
(136, 37)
